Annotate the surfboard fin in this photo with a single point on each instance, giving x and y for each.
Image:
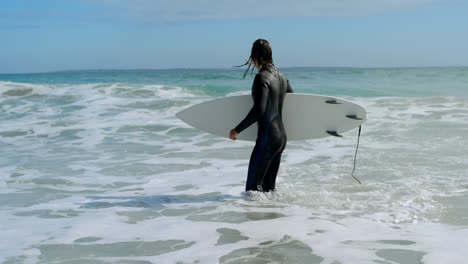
(334, 133)
(353, 117)
(332, 101)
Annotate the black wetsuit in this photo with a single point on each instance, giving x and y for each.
(268, 91)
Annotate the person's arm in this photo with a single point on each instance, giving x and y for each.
(259, 107)
(290, 90)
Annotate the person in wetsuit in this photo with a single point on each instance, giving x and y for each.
(268, 92)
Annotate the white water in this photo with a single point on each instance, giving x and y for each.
(105, 173)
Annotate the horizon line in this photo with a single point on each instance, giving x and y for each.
(234, 68)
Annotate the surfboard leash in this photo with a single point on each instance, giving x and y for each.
(355, 156)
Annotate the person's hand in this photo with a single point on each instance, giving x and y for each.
(233, 134)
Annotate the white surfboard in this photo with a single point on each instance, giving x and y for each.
(305, 116)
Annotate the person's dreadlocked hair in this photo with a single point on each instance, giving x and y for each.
(261, 53)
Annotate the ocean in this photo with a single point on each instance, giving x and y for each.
(96, 168)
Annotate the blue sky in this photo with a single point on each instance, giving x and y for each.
(51, 35)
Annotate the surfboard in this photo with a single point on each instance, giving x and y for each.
(305, 116)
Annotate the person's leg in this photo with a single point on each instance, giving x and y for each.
(269, 180)
(266, 148)
(257, 168)
(258, 165)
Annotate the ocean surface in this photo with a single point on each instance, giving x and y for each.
(95, 168)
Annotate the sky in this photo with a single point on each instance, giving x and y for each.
(54, 35)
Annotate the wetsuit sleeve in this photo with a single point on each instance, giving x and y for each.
(290, 90)
(259, 107)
